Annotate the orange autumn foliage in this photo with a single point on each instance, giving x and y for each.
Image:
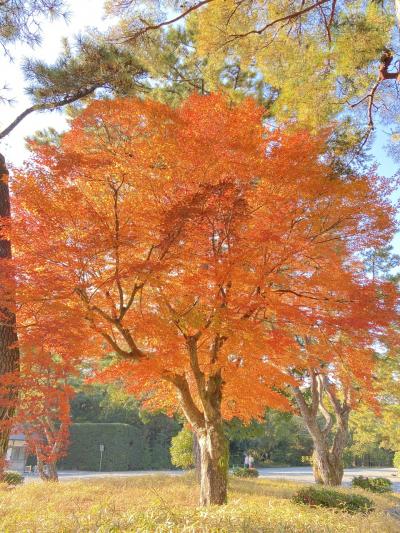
(193, 243)
(43, 413)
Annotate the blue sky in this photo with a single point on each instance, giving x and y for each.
(84, 14)
(387, 167)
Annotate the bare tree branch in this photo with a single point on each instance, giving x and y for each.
(384, 74)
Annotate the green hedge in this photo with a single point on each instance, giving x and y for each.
(240, 471)
(324, 497)
(11, 478)
(126, 447)
(377, 484)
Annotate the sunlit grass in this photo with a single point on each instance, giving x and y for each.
(169, 504)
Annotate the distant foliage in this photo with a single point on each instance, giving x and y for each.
(378, 484)
(280, 438)
(240, 471)
(12, 478)
(181, 449)
(322, 497)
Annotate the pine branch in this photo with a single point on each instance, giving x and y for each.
(286, 18)
(151, 27)
(47, 106)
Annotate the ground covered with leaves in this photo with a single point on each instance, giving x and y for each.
(162, 503)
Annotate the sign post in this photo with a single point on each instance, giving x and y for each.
(101, 455)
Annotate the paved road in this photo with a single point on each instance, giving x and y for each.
(70, 475)
(302, 474)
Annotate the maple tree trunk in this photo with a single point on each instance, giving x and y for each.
(329, 441)
(316, 472)
(197, 457)
(52, 472)
(328, 467)
(47, 471)
(328, 460)
(9, 353)
(41, 469)
(213, 447)
(207, 426)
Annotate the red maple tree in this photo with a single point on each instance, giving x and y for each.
(196, 246)
(43, 413)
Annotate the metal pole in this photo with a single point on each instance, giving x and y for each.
(101, 455)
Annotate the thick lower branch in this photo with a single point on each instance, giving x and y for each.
(190, 409)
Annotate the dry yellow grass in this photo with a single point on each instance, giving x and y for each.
(169, 504)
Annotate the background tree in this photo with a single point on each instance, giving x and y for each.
(336, 383)
(377, 426)
(44, 409)
(89, 65)
(19, 22)
(236, 243)
(280, 439)
(296, 47)
(366, 447)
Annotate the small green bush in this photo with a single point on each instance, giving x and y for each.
(396, 461)
(181, 449)
(240, 471)
(323, 497)
(378, 484)
(12, 478)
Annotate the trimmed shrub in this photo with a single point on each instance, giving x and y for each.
(126, 447)
(323, 497)
(377, 484)
(181, 449)
(12, 478)
(240, 471)
(123, 447)
(396, 461)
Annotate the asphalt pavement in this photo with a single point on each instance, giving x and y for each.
(302, 474)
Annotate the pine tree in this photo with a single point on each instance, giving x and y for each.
(299, 49)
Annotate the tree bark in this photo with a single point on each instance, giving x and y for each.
(213, 465)
(52, 472)
(207, 424)
(47, 471)
(328, 463)
(197, 457)
(9, 352)
(316, 472)
(330, 440)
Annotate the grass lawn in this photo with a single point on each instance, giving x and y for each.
(169, 504)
